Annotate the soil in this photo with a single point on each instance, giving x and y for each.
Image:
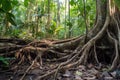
(89, 72)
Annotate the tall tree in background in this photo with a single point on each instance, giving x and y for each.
(48, 18)
(85, 18)
(69, 18)
(48, 13)
(65, 20)
(58, 13)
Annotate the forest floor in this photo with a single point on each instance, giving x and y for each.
(89, 72)
(33, 70)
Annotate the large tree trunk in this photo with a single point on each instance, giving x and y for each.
(103, 39)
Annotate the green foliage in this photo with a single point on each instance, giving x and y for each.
(1, 10)
(15, 32)
(5, 8)
(58, 29)
(10, 17)
(52, 27)
(25, 34)
(14, 2)
(73, 2)
(29, 18)
(26, 2)
(6, 5)
(4, 61)
(117, 2)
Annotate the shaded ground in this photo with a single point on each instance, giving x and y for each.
(32, 69)
(90, 72)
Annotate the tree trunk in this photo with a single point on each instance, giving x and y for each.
(48, 20)
(65, 20)
(69, 18)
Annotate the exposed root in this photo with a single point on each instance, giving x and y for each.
(95, 54)
(60, 59)
(85, 50)
(53, 71)
(27, 70)
(90, 43)
(56, 72)
(66, 40)
(116, 59)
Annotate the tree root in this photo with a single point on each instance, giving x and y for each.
(116, 59)
(14, 41)
(85, 50)
(95, 54)
(27, 70)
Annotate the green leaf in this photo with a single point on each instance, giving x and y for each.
(26, 2)
(11, 15)
(6, 5)
(4, 60)
(88, 8)
(10, 18)
(1, 2)
(69, 23)
(15, 2)
(58, 29)
(1, 10)
(72, 2)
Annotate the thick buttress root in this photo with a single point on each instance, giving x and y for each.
(73, 52)
(72, 58)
